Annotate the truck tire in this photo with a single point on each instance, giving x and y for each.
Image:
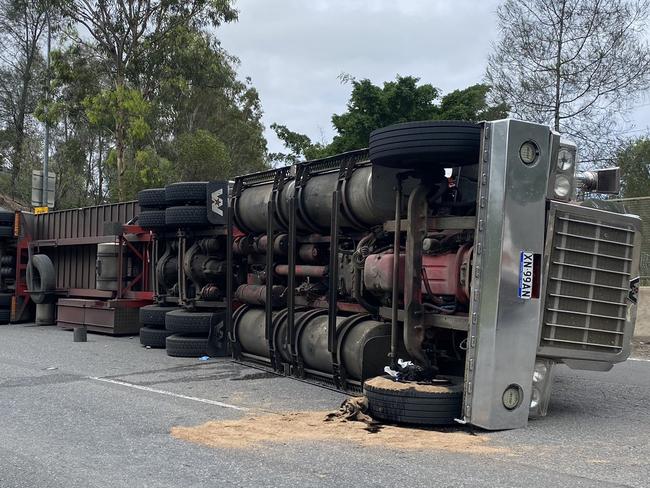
(6, 231)
(7, 218)
(155, 338)
(184, 322)
(413, 403)
(7, 260)
(5, 316)
(187, 192)
(41, 278)
(5, 300)
(187, 216)
(152, 198)
(152, 219)
(426, 144)
(186, 346)
(154, 315)
(7, 271)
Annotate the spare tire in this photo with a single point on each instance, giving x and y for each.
(184, 322)
(420, 145)
(152, 198)
(155, 338)
(187, 192)
(187, 346)
(41, 278)
(152, 219)
(414, 403)
(154, 315)
(187, 216)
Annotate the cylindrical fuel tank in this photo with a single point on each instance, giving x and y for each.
(364, 198)
(106, 266)
(311, 340)
(250, 331)
(251, 209)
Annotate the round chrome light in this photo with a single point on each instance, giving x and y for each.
(565, 160)
(562, 186)
(540, 372)
(535, 397)
(528, 152)
(512, 397)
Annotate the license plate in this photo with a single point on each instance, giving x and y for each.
(526, 274)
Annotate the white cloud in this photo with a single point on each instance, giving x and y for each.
(294, 50)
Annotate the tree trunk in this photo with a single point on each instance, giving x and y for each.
(19, 140)
(100, 172)
(119, 150)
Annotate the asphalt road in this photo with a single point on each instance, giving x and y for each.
(99, 414)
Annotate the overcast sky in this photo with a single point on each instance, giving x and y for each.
(294, 50)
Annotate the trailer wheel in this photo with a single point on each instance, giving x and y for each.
(187, 192)
(426, 144)
(7, 218)
(153, 316)
(187, 216)
(155, 338)
(5, 300)
(152, 219)
(152, 198)
(7, 271)
(184, 322)
(414, 403)
(187, 346)
(5, 316)
(41, 278)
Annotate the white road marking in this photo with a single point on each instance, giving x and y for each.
(168, 393)
(640, 359)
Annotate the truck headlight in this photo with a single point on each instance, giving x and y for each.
(562, 186)
(565, 159)
(540, 394)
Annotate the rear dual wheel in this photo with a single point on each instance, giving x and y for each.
(154, 338)
(187, 346)
(153, 333)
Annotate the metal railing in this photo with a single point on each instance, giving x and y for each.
(641, 206)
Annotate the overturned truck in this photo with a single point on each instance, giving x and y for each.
(450, 245)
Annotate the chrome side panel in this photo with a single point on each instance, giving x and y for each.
(504, 329)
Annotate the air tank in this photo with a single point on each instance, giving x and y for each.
(366, 198)
(311, 340)
(106, 266)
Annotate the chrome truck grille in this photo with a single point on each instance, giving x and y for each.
(591, 259)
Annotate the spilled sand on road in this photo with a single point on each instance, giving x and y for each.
(256, 431)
